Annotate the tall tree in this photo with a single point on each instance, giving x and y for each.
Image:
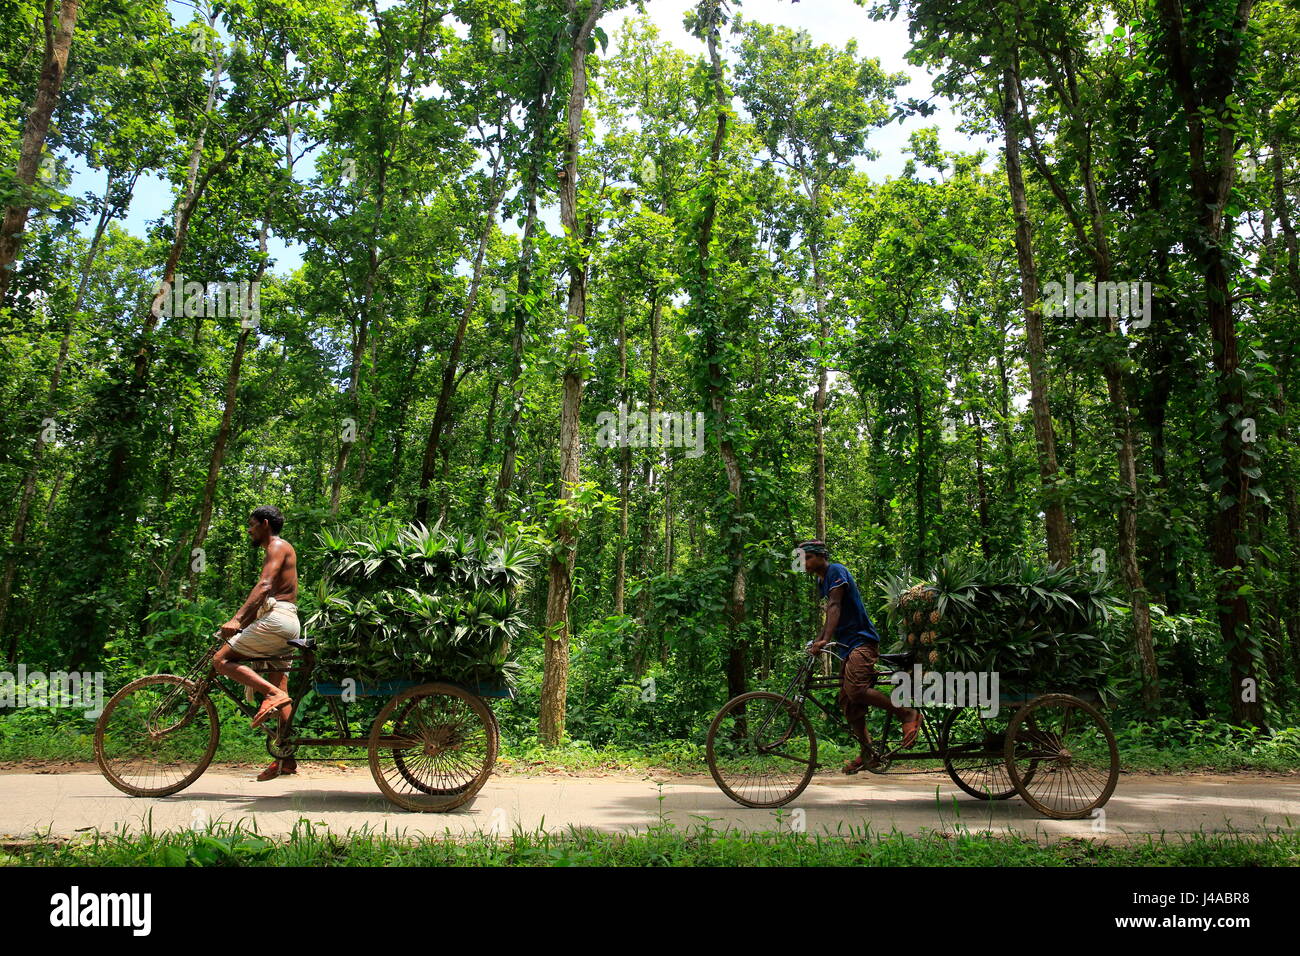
(813, 106)
(559, 591)
(58, 41)
(1207, 55)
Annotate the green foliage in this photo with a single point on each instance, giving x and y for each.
(377, 146)
(1169, 743)
(406, 601)
(663, 844)
(229, 849)
(1040, 628)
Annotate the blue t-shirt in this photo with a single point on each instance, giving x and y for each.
(854, 627)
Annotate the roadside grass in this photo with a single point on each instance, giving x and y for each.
(1170, 744)
(1167, 745)
(311, 845)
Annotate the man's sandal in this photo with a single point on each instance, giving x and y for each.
(279, 768)
(860, 763)
(269, 706)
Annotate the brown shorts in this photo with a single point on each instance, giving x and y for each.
(857, 676)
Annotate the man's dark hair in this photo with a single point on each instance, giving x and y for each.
(271, 514)
(815, 547)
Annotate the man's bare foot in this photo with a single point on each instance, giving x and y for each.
(270, 704)
(911, 727)
(853, 766)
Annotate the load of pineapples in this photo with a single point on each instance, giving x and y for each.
(1040, 628)
(410, 602)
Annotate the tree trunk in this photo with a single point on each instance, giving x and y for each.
(819, 403)
(453, 356)
(18, 537)
(1208, 89)
(624, 473)
(58, 41)
(1058, 527)
(1097, 245)
(1004, 416)
(1291, 250)
(704, 304)
(647, 468)
(540, 115)
(222, 438)
(359, 342)
(86, 620)
(922, 517)
(981, 484)
(555, 672)
(196, 151)
(668, 520)
(223, 430)
(385, 152)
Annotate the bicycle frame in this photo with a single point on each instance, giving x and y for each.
(280, 737)
(204, 678)
(807, 681)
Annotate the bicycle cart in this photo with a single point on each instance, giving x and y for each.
(1055, 750)
(431, 748)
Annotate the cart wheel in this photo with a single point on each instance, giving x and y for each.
(156, 736)
(973, 748)
(433, 747)
(1062, 756)
(413, 777)
(762, 750)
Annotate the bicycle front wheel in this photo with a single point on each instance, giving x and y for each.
(156, 736)
(762, 750)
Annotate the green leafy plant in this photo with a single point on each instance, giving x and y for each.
(1038, 627)
(406, 601)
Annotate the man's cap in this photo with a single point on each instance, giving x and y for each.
(813, 547)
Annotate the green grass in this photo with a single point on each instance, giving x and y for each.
(1166, 745)
(1169, 744)
(663, 845)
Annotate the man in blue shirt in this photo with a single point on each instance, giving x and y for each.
(848, 625)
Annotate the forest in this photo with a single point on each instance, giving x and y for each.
(537, 269)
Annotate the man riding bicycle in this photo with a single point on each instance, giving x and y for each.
(847, 624)
(262, 628)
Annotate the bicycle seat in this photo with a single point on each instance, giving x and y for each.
(302, 643)
(899, 662)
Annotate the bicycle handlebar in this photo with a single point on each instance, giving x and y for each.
(829, 645)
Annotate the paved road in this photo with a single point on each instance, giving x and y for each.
(70, 803)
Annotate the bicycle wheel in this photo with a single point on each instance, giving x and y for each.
(762, 750)
(432, 747)
(156, 736)
(1061, 756)
(974, 753)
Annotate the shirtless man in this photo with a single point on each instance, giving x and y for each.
(263, 627)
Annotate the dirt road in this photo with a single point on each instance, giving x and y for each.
(68, 803)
